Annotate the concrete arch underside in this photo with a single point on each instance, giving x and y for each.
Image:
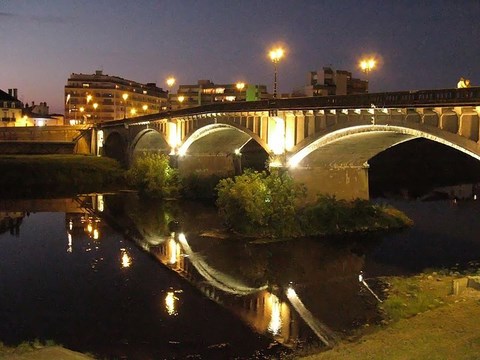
(148, 141)
(337, 163)
(115, 147)
(213, 150)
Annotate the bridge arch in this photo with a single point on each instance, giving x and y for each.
(148, 141)
(227, 138)
(116, 147)
(355, 145)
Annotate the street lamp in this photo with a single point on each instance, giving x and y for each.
(275, 56)
(95, 106)
(133, 112)
(180, 99)
(125, 97)
(170, 82)
(145, 108)
(240, 86)
(82, 109)
(367, 65)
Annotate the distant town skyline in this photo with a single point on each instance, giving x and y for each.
(418, 45)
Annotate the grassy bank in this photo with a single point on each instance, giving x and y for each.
(30, 175)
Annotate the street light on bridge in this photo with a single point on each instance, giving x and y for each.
(170, 82)
(240, 86)
(367, 65)
(275, 56)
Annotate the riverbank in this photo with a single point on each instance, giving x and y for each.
(40, 352)
(446, 328)
(48, 175)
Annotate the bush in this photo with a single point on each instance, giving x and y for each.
(152, 176)
(260, 203)
(198, 187)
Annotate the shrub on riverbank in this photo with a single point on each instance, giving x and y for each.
(32, 175)
(267, 205)
(152, 175)
(260, 203)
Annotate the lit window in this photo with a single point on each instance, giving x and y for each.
(86, 85)
(219, 90)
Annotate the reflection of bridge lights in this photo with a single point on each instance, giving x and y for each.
(172, 248)
(170, 303)
(89, 228)
(96, 234)
(70, 224)
(100, 203)
(291, 292)
(181, 237)
(69, 248)
(276, 317)
(126, 259)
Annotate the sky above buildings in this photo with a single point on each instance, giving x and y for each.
(420, 44)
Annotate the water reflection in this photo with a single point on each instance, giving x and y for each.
(252, 279)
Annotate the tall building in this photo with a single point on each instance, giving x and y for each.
(10, 108)
(206, 92)
(332, 82)
(93, 98)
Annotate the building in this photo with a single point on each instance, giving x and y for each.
(38, 115)
(332, 82)
(206, 92)
(11, 108)
(93, 98)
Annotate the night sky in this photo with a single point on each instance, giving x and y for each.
(420, 44)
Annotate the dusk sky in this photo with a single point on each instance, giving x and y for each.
(420, 44)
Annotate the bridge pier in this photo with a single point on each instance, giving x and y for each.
(346, 182)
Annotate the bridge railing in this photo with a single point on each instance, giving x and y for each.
(404, 99)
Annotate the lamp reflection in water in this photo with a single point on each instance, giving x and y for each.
(69, 248)
(275, 324)
(126, 259)
(170, 303)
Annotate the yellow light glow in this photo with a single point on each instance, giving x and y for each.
(133, 111)
(125, 97)
(276, 54)
(100, 203)
(171, 81)
(291, 292)
(170, 303)
(96, 234)
(275, 164)
(89, 98)
(367, 65)
(275, 323)
(126, 259)
(145, 107)
(240, 85)
(181, 99)
(82, 109)
(172, 249)
(89, 228)
(277, 137)
(95, 106)
(172, 134)
(238, 152)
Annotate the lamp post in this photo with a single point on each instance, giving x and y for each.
(367, 65)
(240, 86)
(145, 108)
(170, 82)
(125, 97)
(275, 56)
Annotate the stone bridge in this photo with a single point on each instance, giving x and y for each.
(323, 142)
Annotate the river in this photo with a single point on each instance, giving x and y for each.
(127, 279)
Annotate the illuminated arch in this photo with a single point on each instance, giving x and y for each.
(149, 140)
(449, 139)
(237, 141)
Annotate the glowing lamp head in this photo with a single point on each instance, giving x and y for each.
(181, 99)
(95, 106)
(125, 97)
(276, 54)
(171, 81)
(240, 86)
(145, 107)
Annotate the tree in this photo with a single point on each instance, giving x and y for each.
(153, 176)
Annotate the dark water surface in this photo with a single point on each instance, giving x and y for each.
(125, 279)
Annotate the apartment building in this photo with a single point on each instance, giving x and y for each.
(206, 92)
(10, 108)
(332, 82)
(94, 98)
